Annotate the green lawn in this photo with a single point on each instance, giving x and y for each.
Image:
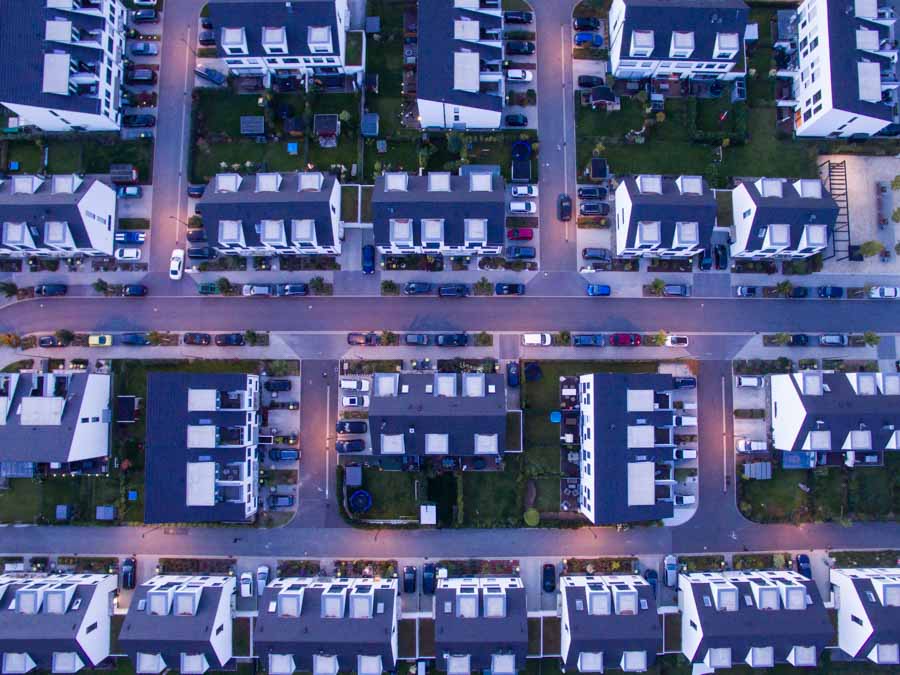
(547, 493)
(90, 153)
(875, 492)
(349, 203)
(32, 500)
(393, 493)
(347, 152)
(776, 500)
(494, 498)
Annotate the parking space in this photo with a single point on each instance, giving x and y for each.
(520, 76)
(748, 426)
(353, 432)
(280, 457)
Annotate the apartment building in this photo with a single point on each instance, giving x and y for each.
(867, 601)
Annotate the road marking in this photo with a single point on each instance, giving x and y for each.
(187, 72)
(562, 64)
(327, 436)
(724, 443)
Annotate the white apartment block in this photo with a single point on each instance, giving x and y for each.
(867, 601)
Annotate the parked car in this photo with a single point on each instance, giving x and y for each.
(355, 401)
(684, 453)
(599, 290)
(197, 339)
(280, 501)
(351, 427)
(176, 264)
(196, 191)
(246, 584)
(417, 288)
(362, 339)
(536, 339)
(884, 292)
(196, 237)
(48, 341)
(519, 75)
(831, 292)
(799, 292)
(284, 455)
(144, 49)
(206, 38)
(288, 290)
(229, 340)
(140, 76)
(144, 3)
(590, 81)
(589, 340)
(134, 290)
(677, 341)
(754, 381)
(520, 47)
(368, 259)
(706, 260)
(676, 291)
(684, 382)
(100, 340)
(684, 500)
(803, 566)
(586, 23)
(798, 340)
(548, 578)
(522, 207)
(409, 579)
(625, 340)
(352, 384)
(128, 573)
(516, 120)
(593, 209)
(524, 191)
(509, 289)
(453, 290)
(746, 291)
(130, 192)
(592, 192)
(211, 75)
(746, 446)
(277, 385)
(350, 445)
(520, 234)
(521, 252)
(127, 254)
(518, 17)
(429, 578)
(130, 237)
(145, 16)
(262, 578)
(201, 253)
(652, 579)
(583, 38)
(721, 255)
(257, 290)
(670, 564)
(685, 421)
(48, 290)
(416, 339)
(451, 340)
(833, 340)
(564, 207)
(512, 374)
(601, 254)
(138, 121)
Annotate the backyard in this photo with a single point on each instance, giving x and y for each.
(85, 153)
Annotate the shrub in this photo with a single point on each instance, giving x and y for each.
(389, 287)
(870, 248)
(532, 518)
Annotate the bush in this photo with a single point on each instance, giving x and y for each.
(389, 287)
(532, 518)
(870, 248)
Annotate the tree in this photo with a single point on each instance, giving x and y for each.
(781, 338)
(250, 336)
(895, 216)
(223, 285)
(64, 336)
(532, 517)
(870, 248)
(389, 287)
(100, 286)
(661, 336)
(784, 288)
(872, 339)
(317, 284)
(155, 337)
(895, 184)
(388, 338)
(10, 340)
(9, 289)
(657, 286)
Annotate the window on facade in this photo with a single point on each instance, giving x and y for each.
(855, 619)
(291, 60)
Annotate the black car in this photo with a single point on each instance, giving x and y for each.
(521, 252)
(368, 259)
(417, 288)
(206, 38)
(564, 207)
(356, 339)
(229, 340)
(46, 290)
(831, 292)
(350, 445)
(684, 382)
(128, 569)
(200, 339)
(351, 427)
(135, 339)
(409, 579)
(451, 340)
(592, 192)
(137, 121)
(143, 76)
(195, 191)
(706, 261)
(206, 23)
(518, 17)
(134, 290)
(47, 341)
(519, 47)
(799, 292)
(287, 290)
(201, 253)
(416, 339)
(145, 16)
(196, 236)
(211, 75)
(588, 81)
(276, 501)
(516, 120)
(798, 340)
(509, 289)
(586, 23)
(429, 578)
(721, 255)
(512, 374)
(453, 290)
(548, 578)
(593, 209)
(277, 385)
(601, 254)
(652, 578)
(803, 566)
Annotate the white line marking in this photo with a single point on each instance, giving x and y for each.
(187, 72)
(724, 443)
(327, 436)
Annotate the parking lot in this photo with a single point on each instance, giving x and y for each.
(750, 398)
(280, 460)
(520, 75)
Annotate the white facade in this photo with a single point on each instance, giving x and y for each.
(852, 591)
(66, 75)
(452, 116)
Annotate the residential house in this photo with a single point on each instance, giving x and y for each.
(55, 623)
(609, 622)
(628, 445)
(57, 216)
(830, 418)
(688, 39)
(308, 39)
(179, 622)
(841, 67)
(56, 420)
(755, 617)
(202, 460)
(64, 64)
(273, 214)
(439, 213)
(325, 626)
(480, 624)
(459, 78)
(867, 601)
(415, 416)
(780, 218)
(661, 217)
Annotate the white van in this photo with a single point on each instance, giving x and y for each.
(536, 339)
(522, 207)
(746, 445)
(354, 385)
(749, 381)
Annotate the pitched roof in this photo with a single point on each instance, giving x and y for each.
(670, 207)
(885, 619)
(790, 209)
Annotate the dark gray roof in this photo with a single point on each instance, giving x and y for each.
(750, 626)
(436, 47)
(843, 59)
(46, 442)
(296, 17)
(612, 633)
(885, 620)
(167, 454)
(44, 205)
(790, 209)
(22, 49)
(460, 417)
(251, 207)
(41, 634)
(454, 207)
(671, 207)
(310, 634)
(480, 637)
(705, 18)
(172, 634)
(611, 452)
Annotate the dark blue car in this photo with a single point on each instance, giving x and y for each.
(599, 290)
(368, 259)
(521, 252)
(512, 374)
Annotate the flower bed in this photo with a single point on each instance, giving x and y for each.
(93, 565)
(365, 568)
(460, 365)
(471, 568)
(761, 561)
(702, 563)
(196, 565)
(299, 568)
(599, 566)
(887, 558)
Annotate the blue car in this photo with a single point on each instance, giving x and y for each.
(521, 252)
(130, 237)
(803, 565)
(588, 40)
(368, 259)
(599, 291)
(135, 339)
(595, 340)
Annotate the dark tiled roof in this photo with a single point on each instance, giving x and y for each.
(436, 47)
(885, 620)
(167, 454)
(296, 17)
(251, 207)
(454, 207)
(22, 49)
(790, 209)
(705, 18)
(668, 208)
(611, 452)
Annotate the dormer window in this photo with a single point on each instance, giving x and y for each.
(432, 232)
(726, 46)
(319, 39)
(274, 40)
(761, 657)
(234, 41)
(642, 43)
(682, 45)
(401, 231)
(476, 231)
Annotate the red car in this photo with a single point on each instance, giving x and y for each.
(625, 340)
(520, 234)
